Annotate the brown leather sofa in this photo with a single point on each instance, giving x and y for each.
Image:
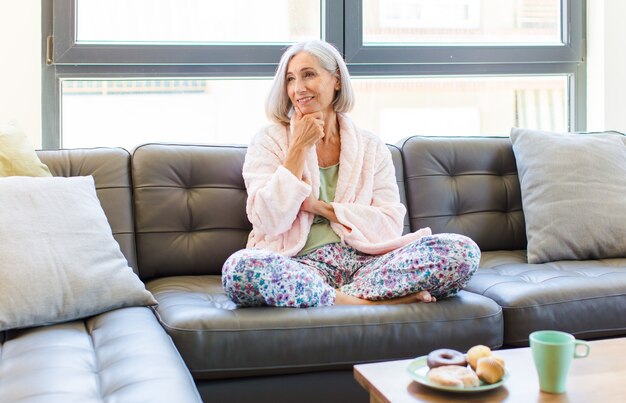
(118, 356)
(178, 212)
(190, 216)
(470, 186)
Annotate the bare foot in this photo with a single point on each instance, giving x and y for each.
(424, 296)
(345, 299)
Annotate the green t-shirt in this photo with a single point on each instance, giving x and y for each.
(321, 233)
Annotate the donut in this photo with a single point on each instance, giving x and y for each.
(476, 352)
(445, 356)
(490, 369)
(453, 375)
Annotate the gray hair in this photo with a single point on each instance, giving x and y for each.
(278, 105)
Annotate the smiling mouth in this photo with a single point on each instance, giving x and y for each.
(304, 100)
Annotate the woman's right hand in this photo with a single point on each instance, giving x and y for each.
(307, 130)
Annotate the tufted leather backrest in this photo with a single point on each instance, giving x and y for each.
(189, 208)
(467, 186)
(110, 168)
(396, 156)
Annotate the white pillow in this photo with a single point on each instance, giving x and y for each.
(573, 194)
(58, 258)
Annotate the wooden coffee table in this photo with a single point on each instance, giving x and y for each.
(601, 377)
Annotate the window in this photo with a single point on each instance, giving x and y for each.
(461, 21)
(126, 72)
(398, 107)
(126, 113)
(196, 21)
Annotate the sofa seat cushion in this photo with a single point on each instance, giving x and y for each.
(122, 356)
(585, 298)
(218, 340)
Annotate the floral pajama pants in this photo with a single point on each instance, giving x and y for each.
(441, 264)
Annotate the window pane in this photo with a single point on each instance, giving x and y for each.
(423, 22)
(197, 21)
(128, 113)
(395, 108)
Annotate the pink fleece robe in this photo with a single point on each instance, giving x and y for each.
(367, 202)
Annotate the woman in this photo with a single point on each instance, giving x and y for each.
(325, 208)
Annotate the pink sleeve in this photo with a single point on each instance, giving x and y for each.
(377, 228)
(274, 193)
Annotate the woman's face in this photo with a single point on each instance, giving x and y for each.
(310, 87)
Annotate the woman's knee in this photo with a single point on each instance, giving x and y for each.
(459, 252)
(246, 259)
(241, 268)
(467, 243)
(240, 274)
(460, 244)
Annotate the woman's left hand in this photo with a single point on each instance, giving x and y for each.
(319, 207)
(309, 204)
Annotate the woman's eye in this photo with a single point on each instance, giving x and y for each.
(290, 79)
(309, 74)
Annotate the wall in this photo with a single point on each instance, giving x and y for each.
(20, 65)
(606, 79)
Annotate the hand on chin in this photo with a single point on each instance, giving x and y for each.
(310, 108)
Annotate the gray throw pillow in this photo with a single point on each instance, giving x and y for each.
(58, 258)
(573, 194)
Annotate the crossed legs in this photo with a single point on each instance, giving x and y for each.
(431, 268)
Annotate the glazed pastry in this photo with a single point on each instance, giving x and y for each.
(453, 375)
(476, 352)
(490, 369)
(445, 356)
